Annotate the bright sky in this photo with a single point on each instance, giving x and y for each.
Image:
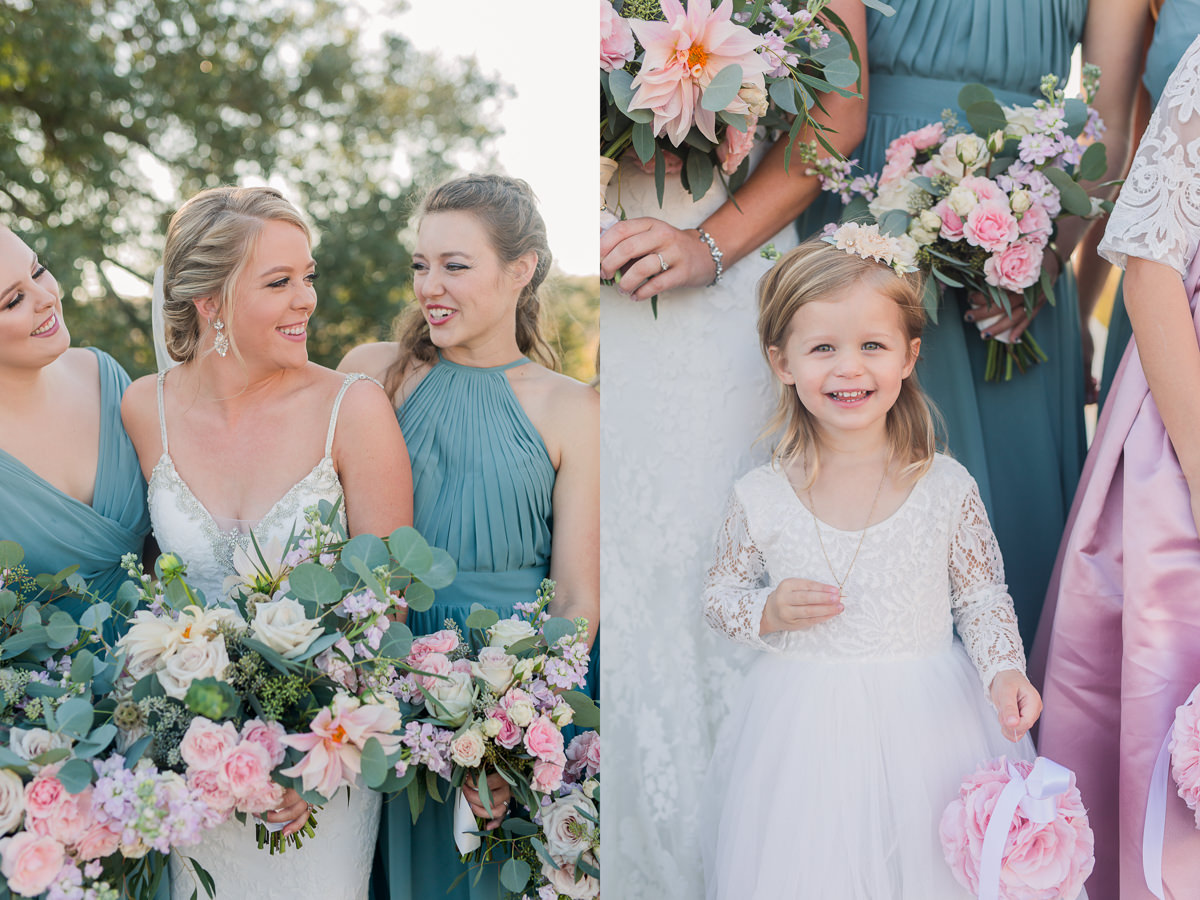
(545, 50)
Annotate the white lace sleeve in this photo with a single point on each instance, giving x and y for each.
(983, 610)
(735, 590)
(1157, 214)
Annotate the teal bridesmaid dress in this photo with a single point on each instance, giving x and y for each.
(56, 530)
(1022, 440)
(483, 487)
(1177, 26)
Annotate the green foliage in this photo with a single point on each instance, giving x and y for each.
(111, 114)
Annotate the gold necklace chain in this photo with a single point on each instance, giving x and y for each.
(812, 506)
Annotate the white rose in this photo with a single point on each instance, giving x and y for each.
(589, 787)
(467, 749)
(495, 667)
(30, 743)
(904, 251)
(894, 195)
(960, 155)
(755, 98)
(284, 627)
(568, 831)
(12, 800)
(962, 200)
(507, 632)
(1020, 200)
(930, 220)
(562, 714)
(563, 881)
(456, 694)
(490, 727)
(524, 669)
(193, 659)
(1021, 120)
(521, 713)
(921, 236)
(382, 698)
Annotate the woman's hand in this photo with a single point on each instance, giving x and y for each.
(294, 810)
(501, 796)
(640, 248)
(797, 604)
(1017, 703)
(981, 311)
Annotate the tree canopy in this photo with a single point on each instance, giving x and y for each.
(112, 113)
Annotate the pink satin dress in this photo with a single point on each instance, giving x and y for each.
(1120, 633)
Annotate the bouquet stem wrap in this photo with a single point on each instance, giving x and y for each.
(1156, 811)
(1037, 797)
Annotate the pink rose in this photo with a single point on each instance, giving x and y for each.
(1185, 755)
(268, 735)
(583, 754)
(990, 226)
(30, 862)
(247, 768)
(206, 744)
(44, 794)
(928, 137)
(461, 665)
(1041, 861)
(985, 189)
(1015, 268)
(616, 39)
(899, 158)
(70, 819)
(98, 842)
(269, 796)
(435, 664)
(544, 740)
(214, 790)
(1035, 222)
(737, 144)
(509, 735)
(952, 223)
(439, 642)
(547, 776)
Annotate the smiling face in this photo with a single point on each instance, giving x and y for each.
(847, 357)
(32, 331)
(272, 299)
(468, 295)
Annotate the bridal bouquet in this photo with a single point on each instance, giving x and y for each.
(1018, 831)
(288, 685)
(691, 86)
(568, 845)
(76, 818)
(499, 708)
(979, 208)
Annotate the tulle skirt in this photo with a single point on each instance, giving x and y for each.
(830, 778)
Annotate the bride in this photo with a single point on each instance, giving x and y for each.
(243, 436)
(685, 394)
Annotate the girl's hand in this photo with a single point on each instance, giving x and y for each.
(1017, 703)
(294, 810)
(797, 604)
(633, 248)
(1015, 324)
(501, 795)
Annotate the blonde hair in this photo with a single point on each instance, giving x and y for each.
(209, 241)
(816, 270)
(507, 209)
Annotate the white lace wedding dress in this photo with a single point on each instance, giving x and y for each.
(849, 739)
(683, 398)
(336, 863)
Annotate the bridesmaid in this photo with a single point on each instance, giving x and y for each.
(71, 490)
(505, 458)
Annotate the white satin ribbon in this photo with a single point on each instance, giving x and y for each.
(1036, 795)
(464, 824)
(1156, 810)
(1004, 337)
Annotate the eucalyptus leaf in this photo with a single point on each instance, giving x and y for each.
(61, 630)
(838, 48)
(1074, 198)
(557, 628)
(925, 183)
(699, 173)
(930, 298)
(586, 867)
(985, 116)
(857, 210)
(50, 757)
(542, 852)
(309, 581)
(1075, 111)
(37, 689)
(587, 713)
(396, 642)
(735, 121)
(620, 83)
(95, 615)
(519, 827)
(514, 875)
(24, 640)
(442, 572)
(76, 775)
(8, 602)
(784, 95)
(96, 742)
(841, 73)
(374, 763)
(1094, 163)
(418, 596)
(894, 222)
(148, 686)
(945, 279)
(75, 717)
(135, 750)
(971, 94)
(879, 6)
(411, 550)
(482, 618)
(31, 615)
(723, 88)
(319, 645)
(643, 141)
(11, 554)
(10, 760)
(368, 548)
(269, 655)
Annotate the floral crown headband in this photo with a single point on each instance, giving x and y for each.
(900, 253)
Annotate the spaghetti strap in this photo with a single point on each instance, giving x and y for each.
(162, 418)
(333, 415)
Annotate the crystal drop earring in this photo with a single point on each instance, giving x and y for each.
(221, 341)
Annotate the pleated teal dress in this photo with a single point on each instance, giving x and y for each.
(1023, 440)
(56, 530)
(1177, 26)
(483, 488)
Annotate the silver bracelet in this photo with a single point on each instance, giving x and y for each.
(717, 255)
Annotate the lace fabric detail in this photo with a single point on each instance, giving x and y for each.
(1157, 214)
(983, 610)
(931, 565)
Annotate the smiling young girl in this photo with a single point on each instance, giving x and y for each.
(505, 457)
(849, 560)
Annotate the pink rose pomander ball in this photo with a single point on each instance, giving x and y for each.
(1040, 862)
(1185, 755)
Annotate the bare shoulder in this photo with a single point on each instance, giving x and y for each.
(564, 411)
(371, 359)
(80, 365)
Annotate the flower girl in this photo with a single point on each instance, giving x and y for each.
(849, 560)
